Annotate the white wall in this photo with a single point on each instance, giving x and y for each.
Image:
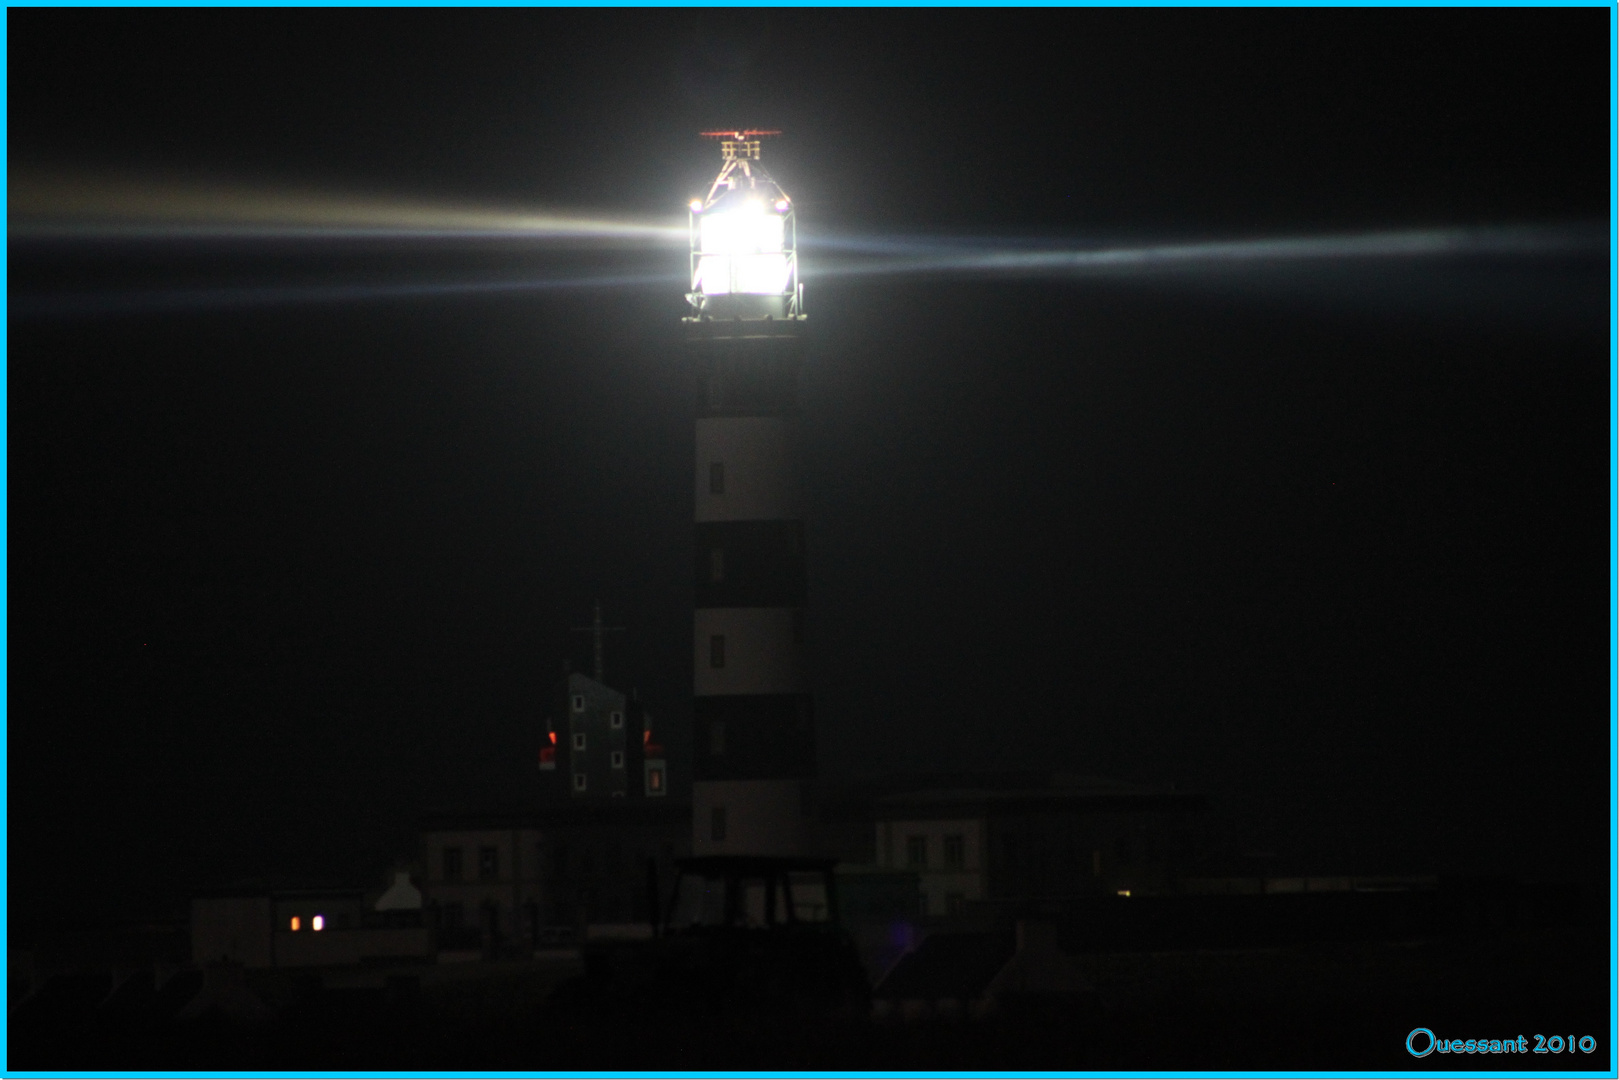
(937, 882)
(760, 455)
(762, 653)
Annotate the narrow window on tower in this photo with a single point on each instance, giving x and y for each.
(716, 650)
(716, 565)
(578, 740)
(716, 737)
(716, 824)
(716, 478)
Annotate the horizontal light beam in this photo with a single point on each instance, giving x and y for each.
(917, 255)
(68, 207)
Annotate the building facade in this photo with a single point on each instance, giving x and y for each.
(509, 883)
(599, 743)
(1014, 845)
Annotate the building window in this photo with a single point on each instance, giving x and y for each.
(955, 851)
(488, 863)
(578, 703)
(654, 780)
(618, 759)
(916, 852)
(452, 864)
(716, 478)
(578, 740)
(716, 737)
(318, 923)
(616, 720)
(716, 824)
(716, 651)
(578, 781)
(296, 923)
(716, 565)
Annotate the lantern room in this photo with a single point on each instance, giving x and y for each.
(744, 243)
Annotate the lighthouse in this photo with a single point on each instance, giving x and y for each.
(754, 720)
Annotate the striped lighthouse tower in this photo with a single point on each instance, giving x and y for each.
(754, 720)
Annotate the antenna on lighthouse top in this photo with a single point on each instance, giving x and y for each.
(739, 145)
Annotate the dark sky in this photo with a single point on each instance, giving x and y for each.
(1328, 544)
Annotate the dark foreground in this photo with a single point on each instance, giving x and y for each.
(1327, 1006)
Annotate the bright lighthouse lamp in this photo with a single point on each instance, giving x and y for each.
(744, 258)
(742, 251)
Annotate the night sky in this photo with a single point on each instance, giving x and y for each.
(1328, 542)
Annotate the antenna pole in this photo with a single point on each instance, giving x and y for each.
(598, 634)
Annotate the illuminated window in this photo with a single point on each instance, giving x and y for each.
(578, 740)
(578, 781)
(318, 923)
(297, 923)
(618, 759)
(578, 703)
(955, 851)
(716, 737)
(916, 852)
(654, 779)
(716, 566)
(488, 863)
(616, 720)
(716, 478)
(452, 864)
(716, 651)
(716, 824)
